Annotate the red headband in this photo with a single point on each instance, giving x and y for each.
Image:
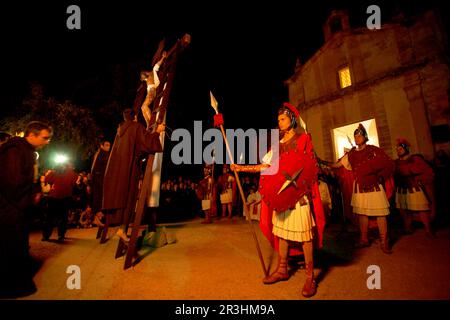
(292, 108)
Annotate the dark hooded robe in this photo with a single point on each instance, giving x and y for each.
(98, 173)
(17, 159)
(120, 185)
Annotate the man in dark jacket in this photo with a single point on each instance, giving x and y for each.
(17, 193)
(120, 185)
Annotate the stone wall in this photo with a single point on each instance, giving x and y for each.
(399, 76)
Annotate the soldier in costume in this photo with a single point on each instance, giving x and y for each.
(288, 198)
(206, 194)
(414, 186)
(227, 188)
(372, 168)
(254, 203)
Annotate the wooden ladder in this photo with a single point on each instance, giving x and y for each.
(160, 103)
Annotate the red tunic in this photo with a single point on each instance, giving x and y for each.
(413, 172)
(62, 183)
(206, 189)
(224, 183)
(369, 166)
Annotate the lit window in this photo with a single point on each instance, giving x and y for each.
(344, 78)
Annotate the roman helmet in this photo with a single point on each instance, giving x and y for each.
(402, 142)
(361, 131)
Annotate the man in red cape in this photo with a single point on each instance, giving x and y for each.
(414, 179)
(373, 186)
(346, 179)
(292, 212)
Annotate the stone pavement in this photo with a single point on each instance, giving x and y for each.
(220, 262)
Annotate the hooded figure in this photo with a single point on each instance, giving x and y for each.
(17, 193)
(98, 173)
(120, 185)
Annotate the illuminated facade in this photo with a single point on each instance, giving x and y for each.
(395, 78)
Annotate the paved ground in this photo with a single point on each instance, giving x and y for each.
(220, 262)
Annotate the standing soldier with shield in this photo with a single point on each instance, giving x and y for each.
(289, 196)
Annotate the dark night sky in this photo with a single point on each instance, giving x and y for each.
(242, 50)
(242, 53)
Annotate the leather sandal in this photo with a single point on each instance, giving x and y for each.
(384, 244)
(276, 277)
(385, 248)
(310, 286)
(281, 274)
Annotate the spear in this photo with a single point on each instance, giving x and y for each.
(350, 141)
(218, 121)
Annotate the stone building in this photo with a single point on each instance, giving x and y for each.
(395, 80)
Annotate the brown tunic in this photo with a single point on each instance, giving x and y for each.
(120, 184)
(17, 159)
(98, 173)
